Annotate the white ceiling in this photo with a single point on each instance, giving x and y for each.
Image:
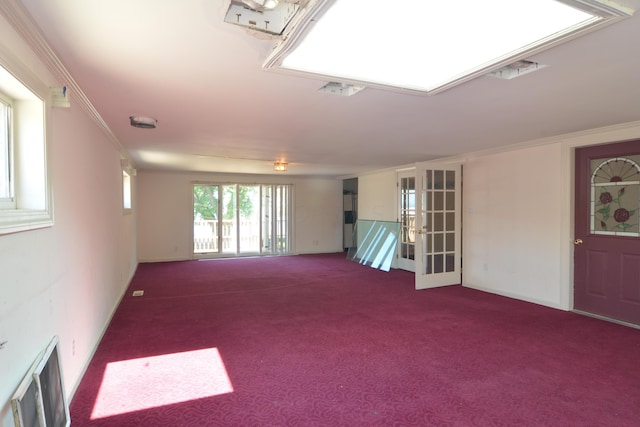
(218, 110)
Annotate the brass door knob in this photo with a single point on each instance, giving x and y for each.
(578, 242)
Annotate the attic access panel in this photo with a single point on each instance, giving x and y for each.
(429, 45)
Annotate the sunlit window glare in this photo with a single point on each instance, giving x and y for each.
(152, 382)
(424, 44)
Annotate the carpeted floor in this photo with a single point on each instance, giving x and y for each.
(316, 340)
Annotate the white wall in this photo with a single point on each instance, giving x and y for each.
(518, 219)
(166, 212)
(512, 224)
(377, 198)
(67, 279)
(518, 213)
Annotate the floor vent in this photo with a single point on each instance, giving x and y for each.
(137, 293)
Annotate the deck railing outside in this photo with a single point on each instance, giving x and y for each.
(205, 238)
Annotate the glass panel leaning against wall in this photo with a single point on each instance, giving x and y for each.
(241, 219)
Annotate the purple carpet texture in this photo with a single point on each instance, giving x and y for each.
(316, 340)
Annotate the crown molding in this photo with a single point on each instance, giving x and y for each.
(22, 22)
(601, 135)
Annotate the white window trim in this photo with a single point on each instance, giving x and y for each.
(127, 206)
(24, 217)
(9, 202)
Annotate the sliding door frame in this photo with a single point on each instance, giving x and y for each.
(280, 239)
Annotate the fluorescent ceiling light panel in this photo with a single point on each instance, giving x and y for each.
(428, 45)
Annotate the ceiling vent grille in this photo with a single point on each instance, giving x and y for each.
(342, 89)
(517, 69)
(255, 16)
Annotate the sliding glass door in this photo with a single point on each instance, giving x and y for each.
(241, 219)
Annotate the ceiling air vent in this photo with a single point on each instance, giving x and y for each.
(267, 16)
(343, 89)
(517, 69)
(143, 122)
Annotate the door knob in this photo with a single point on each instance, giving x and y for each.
(578, 242)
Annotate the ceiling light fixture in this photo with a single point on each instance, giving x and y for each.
(280, 166)
(436, 44)
(143, 122)
(259, 5)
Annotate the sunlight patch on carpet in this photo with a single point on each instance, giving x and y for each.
(151, 382)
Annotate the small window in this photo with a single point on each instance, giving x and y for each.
(126, 190)
(25, 187)
(6, 180)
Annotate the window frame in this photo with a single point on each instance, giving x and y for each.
(32, 189)
(126, 192)
(8, 201)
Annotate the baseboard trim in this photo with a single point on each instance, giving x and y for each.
(607, 319)
(102, 332)
(513, 295)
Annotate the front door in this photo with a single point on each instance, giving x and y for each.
(607, 231)
(438, 225)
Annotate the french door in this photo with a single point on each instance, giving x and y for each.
(406, 184)
(438, 225)
(607, 231)
(240, 219)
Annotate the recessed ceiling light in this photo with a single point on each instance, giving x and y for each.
(143, 122)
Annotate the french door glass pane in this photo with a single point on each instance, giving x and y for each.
(408, 217)
(438, 198)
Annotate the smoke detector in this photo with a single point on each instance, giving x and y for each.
(143, 122)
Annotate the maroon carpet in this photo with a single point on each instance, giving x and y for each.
(316, 340)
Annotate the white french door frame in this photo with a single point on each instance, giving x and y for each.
(405, 255)
(438, 249)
